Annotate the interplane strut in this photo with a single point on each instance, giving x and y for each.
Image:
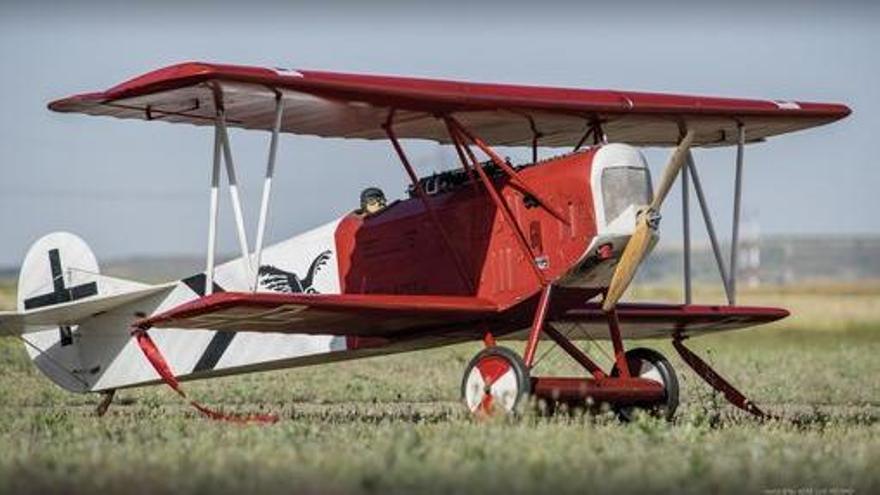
(223, 153)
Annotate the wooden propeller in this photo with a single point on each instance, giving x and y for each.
(647, 221)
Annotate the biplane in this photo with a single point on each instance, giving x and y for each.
(490, 251)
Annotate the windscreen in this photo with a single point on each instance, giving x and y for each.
(624, 186)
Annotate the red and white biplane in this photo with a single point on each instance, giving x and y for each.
(491, 251)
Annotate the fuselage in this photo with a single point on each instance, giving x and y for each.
(399, 250)
(470, 249)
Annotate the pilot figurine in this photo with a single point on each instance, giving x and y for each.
(372, 201)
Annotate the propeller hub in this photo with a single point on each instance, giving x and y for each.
(652, 218)
(646, 225)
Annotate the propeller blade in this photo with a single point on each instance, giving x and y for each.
(632, 257)
(673, 167)
(640, 242)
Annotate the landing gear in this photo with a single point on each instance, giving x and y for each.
(496, 382)
(650, 365)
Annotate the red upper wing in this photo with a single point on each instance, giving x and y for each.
(355, 106)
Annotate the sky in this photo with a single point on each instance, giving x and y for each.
(133, 188)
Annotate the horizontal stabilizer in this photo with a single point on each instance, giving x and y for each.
(72, 313)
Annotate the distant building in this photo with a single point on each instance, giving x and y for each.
(776, 259)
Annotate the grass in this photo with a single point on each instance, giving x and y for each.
(393, 424)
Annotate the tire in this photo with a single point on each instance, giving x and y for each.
(648, 363)
(509, 382)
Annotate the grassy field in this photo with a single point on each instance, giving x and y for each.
(393, 424)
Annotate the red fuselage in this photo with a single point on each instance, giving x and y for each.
(401, 251)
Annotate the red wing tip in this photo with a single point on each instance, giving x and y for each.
(835, 110)
(70, 103)
(175, 71)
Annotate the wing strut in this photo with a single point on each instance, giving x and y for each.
(594, 129)
(214, 211)
(500, 163)
(223, 154)
(464, 162)
(737, 200)
(267, 187)
(234, 195)
(459, 265)
(710, 228)
(690, 175)
(500, 204)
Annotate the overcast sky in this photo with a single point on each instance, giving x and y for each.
(134, 188)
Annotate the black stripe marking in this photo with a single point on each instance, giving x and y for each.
(197, 282)
(218, 345)
(221, 340)
(55, 266)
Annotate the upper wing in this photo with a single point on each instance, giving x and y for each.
(346, 314)
(355, 106)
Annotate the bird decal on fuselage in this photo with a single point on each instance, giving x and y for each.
(278, 280)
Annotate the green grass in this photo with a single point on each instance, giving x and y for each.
(393, 424)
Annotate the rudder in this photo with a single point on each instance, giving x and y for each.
(60, 275)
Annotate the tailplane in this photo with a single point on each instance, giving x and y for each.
(60, 289)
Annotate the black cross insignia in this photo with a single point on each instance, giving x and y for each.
(60, 293)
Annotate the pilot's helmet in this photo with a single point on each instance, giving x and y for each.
(372, 200)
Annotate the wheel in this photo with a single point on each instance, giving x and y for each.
(495, 382)
(650, 364)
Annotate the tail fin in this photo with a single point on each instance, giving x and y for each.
(59, 288)
(60, 269)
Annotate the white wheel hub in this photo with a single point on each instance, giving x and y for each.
(491, 386)
(645, 369)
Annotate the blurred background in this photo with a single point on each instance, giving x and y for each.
(138, 192)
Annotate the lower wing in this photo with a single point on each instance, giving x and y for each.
(366, 315)
(573, 308)
(375, 315)
(651, 321)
